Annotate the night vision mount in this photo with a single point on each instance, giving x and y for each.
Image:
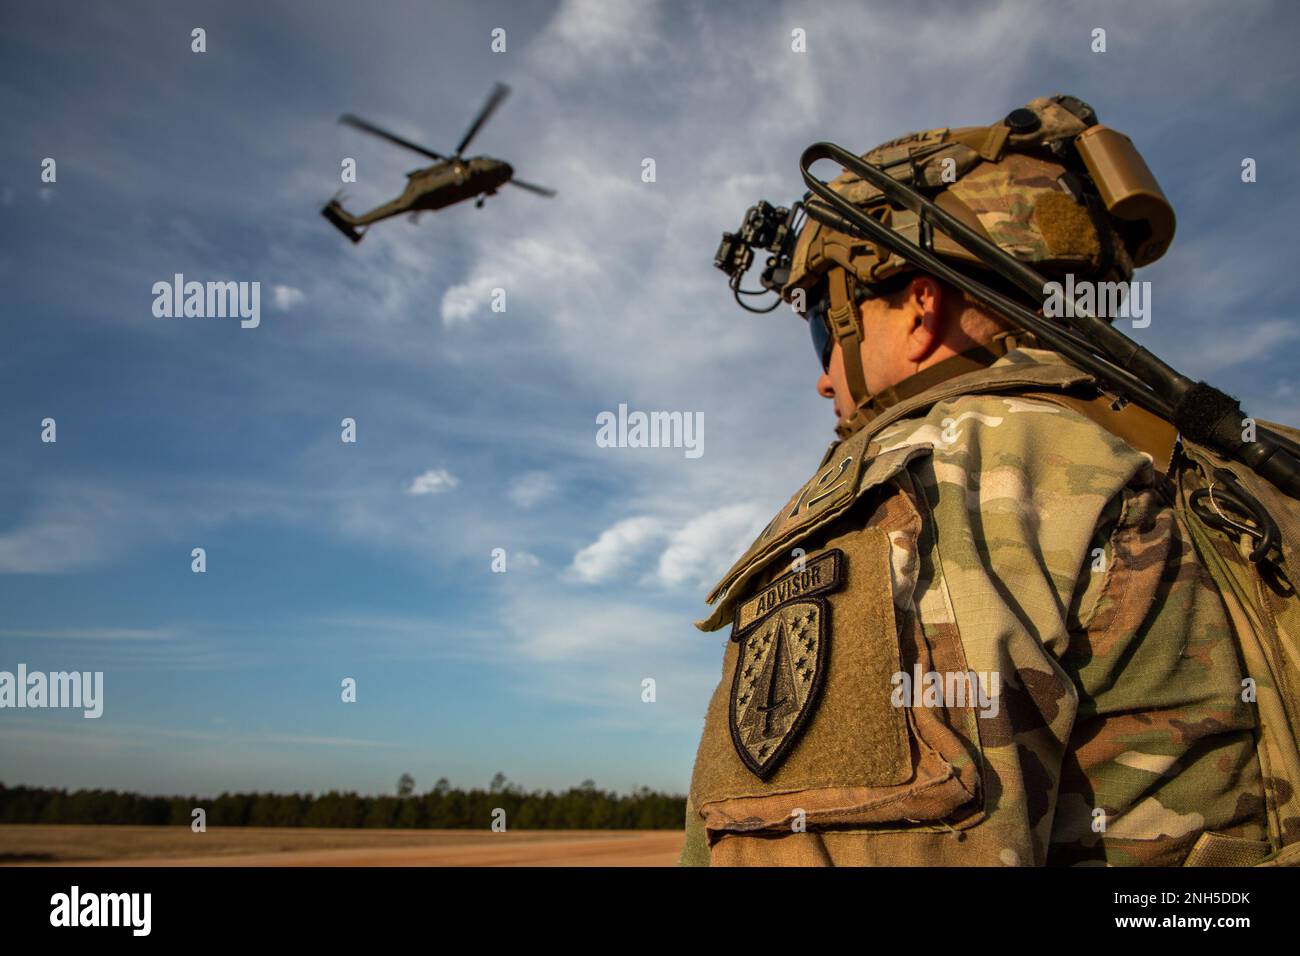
(770, 228)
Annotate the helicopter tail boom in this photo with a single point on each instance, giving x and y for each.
(335, 214)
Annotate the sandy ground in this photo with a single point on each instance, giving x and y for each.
(34, 845)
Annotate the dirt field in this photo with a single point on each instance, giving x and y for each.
(32, 845)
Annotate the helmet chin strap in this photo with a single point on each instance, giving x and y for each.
(844, 322)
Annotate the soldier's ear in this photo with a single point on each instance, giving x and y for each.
(925, 295)
(925, 303)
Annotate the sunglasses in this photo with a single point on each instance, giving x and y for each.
(819, 326)
(819, 323)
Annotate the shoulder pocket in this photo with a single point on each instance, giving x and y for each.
(830, 742)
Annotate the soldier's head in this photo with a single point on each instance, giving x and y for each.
(922, 322)
(1046, 184)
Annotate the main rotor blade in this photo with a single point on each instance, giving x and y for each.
(372, 129)
(499, 93)
(532, 187)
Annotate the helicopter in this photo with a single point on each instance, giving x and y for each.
(451, 179)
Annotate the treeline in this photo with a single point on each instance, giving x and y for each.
(577, 808)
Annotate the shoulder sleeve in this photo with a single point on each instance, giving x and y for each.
(1014, 495)
(1017, 489)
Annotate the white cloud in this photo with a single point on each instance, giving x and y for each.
(80, 524)
(699, 552)
(432, 482)
(616, 549)
(92, 633)
(286, 297)
(694, 554)
(545, 630)
(49, 542)
(597, 35)
(524, 267)
(525, 559)
(532, 488)
(461, 302)
(594, 652)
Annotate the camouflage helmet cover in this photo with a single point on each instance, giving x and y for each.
(1008, 184)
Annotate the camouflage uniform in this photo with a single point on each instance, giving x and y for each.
(1015, 541)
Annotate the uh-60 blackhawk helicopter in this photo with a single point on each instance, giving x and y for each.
(449, 180)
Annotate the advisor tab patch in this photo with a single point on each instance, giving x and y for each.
(821, 573)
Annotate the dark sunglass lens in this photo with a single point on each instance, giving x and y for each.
(821, 333)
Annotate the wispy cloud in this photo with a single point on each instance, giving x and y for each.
(125, 735)
(532, 489)
(588, 37)
(616, 549)
(286, 297)
(433, 482)
(701, 550)
(92, 633)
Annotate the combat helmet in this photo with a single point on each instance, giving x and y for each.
(1048, 184)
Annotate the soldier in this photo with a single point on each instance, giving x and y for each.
(979, 634)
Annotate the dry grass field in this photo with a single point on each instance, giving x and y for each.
(36, 845)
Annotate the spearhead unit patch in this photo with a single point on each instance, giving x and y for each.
(779, 673)
(784, 638)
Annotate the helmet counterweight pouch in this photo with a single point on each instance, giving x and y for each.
(1129, 190)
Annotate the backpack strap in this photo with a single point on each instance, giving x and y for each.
(1145, 432)
(1062, 385)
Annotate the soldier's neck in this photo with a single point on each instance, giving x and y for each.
(971, 360)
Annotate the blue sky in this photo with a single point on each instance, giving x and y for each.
(183, 433)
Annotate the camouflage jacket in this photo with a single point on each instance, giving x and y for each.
(976, 637)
